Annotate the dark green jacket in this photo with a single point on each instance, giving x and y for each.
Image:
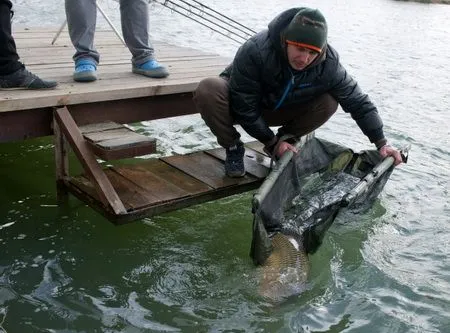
(260, 74)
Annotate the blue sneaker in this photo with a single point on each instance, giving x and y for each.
(85, 70)
(151, 68)
(234, 161)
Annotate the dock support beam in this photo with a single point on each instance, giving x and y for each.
(67, 128)
(62, 164)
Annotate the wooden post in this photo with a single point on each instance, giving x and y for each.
(107, 194)
(62, 164)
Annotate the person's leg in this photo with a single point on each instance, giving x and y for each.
(211, 99)
(9, 59)
(13, 74)
(81, 21)
(301, 119)
(134, 17)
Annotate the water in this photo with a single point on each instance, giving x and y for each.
(387, 270)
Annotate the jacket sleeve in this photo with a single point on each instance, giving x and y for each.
(352, 100)
(246, 90)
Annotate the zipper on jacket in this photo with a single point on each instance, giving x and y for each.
(289, 85)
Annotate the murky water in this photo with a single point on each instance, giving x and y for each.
(387, 270)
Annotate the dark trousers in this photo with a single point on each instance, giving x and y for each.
(212, 101)
(9, 59)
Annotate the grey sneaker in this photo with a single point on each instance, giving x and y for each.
(234, 161)
(151, 68)
(23, 79)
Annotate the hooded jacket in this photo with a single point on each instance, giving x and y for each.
(260, 78)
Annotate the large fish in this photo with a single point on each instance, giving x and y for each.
(283, 255)
(285, 272)
(299, 201)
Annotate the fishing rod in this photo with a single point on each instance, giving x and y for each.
(209, 18)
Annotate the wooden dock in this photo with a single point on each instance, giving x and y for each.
(88, 118)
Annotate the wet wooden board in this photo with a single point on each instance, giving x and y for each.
(183, 181)
(110, 140)
(255, 163)
(131, 196)
(154, 186)
(257, 146)
(207, 169)
(139, 186)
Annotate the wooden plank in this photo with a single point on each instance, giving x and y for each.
(61, 163)
(148, 182)
(101, 90)
(174, 176)
(176, 66)
(117, 138)
(103, 126)
(132, 198)
(128, 151)
(51, 53)
(70, 94)
(121, 79)
(255, 163)
(207, 169)
(186, 65)
(257, 146)
(105, 191)
(19, 125)
(131, 194)
(127, 140)
(110, 140)
(142, 185)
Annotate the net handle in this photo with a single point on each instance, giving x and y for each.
(276, 171)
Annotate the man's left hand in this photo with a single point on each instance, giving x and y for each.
(387, 150)
(282, 147)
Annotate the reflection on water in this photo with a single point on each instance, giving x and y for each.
(382, 271)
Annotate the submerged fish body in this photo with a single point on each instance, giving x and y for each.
(286, 270)
(299, 201)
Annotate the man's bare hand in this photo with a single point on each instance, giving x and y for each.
(387, 150)
(282, 147)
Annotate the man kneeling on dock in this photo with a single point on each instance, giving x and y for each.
(288, 76)
(13, 74)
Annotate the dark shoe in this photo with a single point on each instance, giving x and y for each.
(151, 68)
(23, 79)
(85, 70)
(234, 162)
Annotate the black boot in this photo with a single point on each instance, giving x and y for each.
(234, 162)
(23, 79)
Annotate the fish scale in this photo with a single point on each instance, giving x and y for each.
(286, 270)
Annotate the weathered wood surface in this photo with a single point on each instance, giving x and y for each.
(106, 192)
(160, 185)
(110, 141)
(115, 79)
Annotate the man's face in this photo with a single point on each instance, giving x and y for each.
(300, 57)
